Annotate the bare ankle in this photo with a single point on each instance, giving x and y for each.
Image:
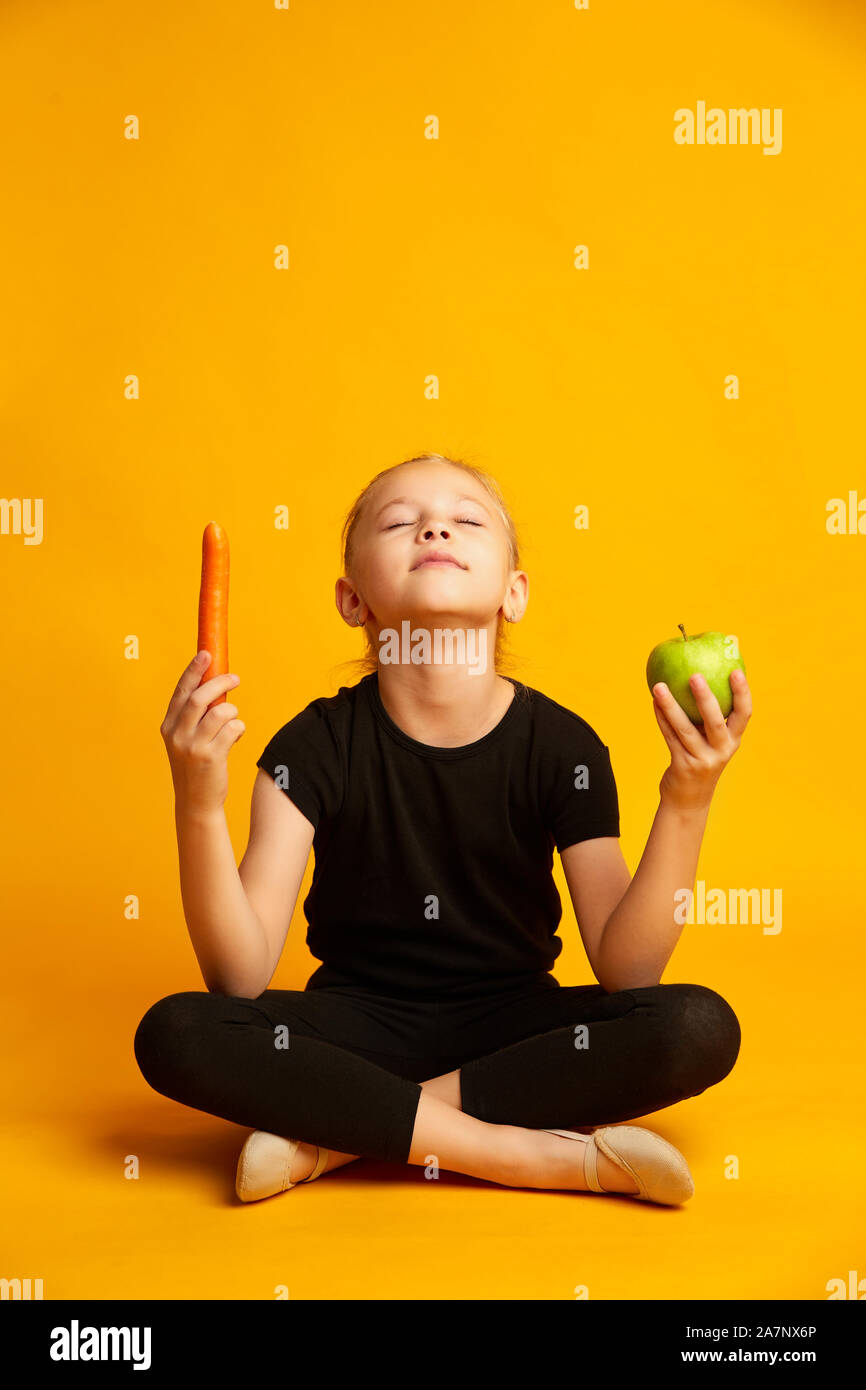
(521, 1155)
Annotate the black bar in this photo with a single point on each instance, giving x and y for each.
(286, 1339)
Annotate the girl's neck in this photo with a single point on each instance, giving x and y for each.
(444, 706)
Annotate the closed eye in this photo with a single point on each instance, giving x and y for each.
(464, 520)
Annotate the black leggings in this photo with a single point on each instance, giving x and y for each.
(340, 1066)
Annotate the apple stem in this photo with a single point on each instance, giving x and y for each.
(683, 631)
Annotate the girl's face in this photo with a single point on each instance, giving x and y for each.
(419, 509)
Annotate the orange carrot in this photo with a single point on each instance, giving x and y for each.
(213, 603)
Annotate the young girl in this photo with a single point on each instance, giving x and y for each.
(433, 792)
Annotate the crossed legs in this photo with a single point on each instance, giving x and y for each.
(600, 1059)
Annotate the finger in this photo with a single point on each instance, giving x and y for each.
(199, 698)
(689, 736)
(189, 679)
(229, 734)
(668, 733)
(739, 717)
(715, 728)
(213, 723)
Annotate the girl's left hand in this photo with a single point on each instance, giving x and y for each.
(699, 755)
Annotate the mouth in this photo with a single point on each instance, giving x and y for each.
(437, 561)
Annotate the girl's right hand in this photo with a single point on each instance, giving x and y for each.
(198, 739)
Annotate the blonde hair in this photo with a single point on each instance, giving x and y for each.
(502, 658)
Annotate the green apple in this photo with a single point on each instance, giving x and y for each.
(708, 654)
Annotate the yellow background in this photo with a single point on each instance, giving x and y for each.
(263, 388)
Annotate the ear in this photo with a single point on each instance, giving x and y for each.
(516, 595)
(349, 603)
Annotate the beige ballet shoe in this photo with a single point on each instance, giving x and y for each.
(265, 1163)
(660, 1171)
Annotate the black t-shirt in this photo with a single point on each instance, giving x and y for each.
(433, 866)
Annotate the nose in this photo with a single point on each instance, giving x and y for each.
(443, 531)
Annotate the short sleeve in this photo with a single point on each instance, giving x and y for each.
(579, 796)
(305, 760)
